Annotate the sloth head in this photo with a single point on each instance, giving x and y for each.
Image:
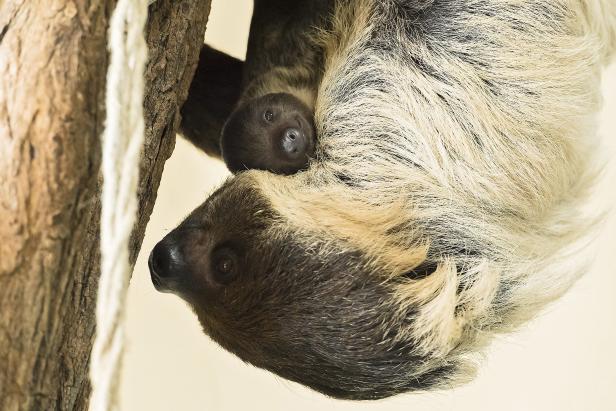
(310, 308)
(274, 132)
(358, 298)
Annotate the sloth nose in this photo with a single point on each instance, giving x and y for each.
(166, 264)
(294, 142)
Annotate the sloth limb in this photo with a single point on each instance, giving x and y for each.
(212, 97)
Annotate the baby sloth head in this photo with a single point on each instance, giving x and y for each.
(274, 132)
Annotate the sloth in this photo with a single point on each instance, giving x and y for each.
(443, 204)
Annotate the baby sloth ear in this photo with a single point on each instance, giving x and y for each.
(274, 132)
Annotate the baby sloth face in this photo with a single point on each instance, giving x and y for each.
(274, 132)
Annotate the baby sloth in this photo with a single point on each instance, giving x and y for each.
(274, 132)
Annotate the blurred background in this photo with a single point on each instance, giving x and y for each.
(565, 360)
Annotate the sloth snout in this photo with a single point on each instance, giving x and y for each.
(190, 259)
(166, 264)
(293, 143)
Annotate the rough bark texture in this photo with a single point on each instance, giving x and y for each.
(53, 63)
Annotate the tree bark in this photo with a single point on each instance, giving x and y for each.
(53, 63)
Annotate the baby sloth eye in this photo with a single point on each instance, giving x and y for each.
(268, 116)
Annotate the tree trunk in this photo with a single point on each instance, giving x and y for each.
(53, 63)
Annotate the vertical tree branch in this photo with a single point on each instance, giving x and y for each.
(53, 63)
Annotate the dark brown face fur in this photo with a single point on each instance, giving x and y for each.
(274, 132)
(321, 320)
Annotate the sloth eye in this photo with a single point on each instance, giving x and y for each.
(268, 115)
(224, 265)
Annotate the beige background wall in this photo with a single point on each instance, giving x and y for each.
(563, 361)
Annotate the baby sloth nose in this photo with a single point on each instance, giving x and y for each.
(166, 264)
(294, 143)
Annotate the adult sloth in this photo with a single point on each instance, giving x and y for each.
(443, 202)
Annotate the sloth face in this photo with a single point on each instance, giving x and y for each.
(318, 315)
(274, 132)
